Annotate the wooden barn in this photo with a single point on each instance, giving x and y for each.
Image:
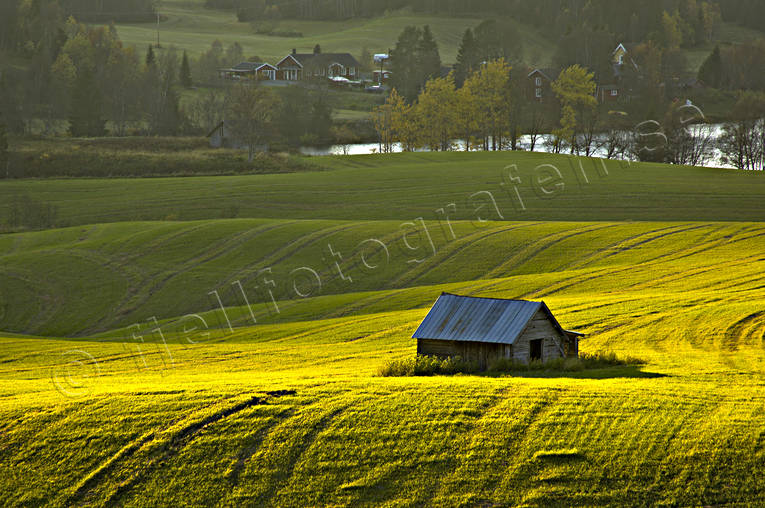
(488, 329)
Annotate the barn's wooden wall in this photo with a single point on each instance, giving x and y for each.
(540, 327)
(481, 352)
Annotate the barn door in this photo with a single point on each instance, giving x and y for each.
(535, 350)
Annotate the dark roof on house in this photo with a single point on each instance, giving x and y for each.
(325, 59)
(248, 67)
(245, 66)
(471, 319)
(548, 72)
(629, 47)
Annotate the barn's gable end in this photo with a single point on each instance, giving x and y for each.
(489, 329)
(544, 327)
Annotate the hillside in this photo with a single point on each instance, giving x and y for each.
(190, 26)
(407, 186)
(102, 277)
(123, 382)
(293, 414)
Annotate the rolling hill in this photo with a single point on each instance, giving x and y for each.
(277, 400)
(524, 186)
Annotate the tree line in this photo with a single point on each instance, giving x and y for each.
(26, 24)
(88, 80)
(632, 20)
(492, 109)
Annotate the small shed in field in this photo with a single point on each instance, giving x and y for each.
(489, 329)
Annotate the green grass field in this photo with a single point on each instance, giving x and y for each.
(122, 382)
(407, 186)
(191, 27)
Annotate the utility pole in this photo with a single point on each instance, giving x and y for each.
(157, 6)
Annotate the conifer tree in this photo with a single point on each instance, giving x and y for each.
(150, 58)
(407, 74)
(185, 74)
(428, 55)
(711, 71)
(466, 57)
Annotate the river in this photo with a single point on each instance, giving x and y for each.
(524, 144)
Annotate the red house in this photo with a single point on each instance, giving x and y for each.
(540, 81)
(317, 65)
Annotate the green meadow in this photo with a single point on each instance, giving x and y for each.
(218, 340)
(486, 186)
(188, 25)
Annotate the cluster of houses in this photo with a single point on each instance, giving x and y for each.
(617, 88)
(338, 67)
(541, 79)
(344, 69)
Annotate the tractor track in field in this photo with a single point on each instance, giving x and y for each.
(50, 302)
(284, 252)
(643, 240)
(445, 255)
(137, 275)
(133, 302)
(691, 251)
(707, 245)
(512, 446)
(600, 253)
(539, 246)
(471, 435)
(676, 276)
(290, 249)
(314, 331)
(743, 329)
(347, 268)
(246, 454)
(478, 282)
(158, 451)
(326, 273)
(295, 454)
(158, 243)
(569, 282)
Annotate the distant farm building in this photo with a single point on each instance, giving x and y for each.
(541, 83)
(307, 66)
(250, 70)
(484, 330)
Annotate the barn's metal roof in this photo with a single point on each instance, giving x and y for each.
(471, 319)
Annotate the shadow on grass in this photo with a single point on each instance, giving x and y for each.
(624, 372)
(587, 366)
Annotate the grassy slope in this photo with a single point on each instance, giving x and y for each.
(198, 419)
(85, 280)
(407, 186)
(189, 26)
(166, 424)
